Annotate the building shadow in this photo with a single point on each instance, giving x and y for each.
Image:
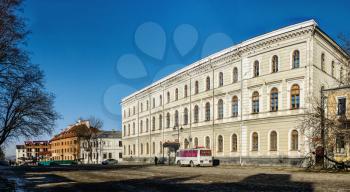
(258, 182)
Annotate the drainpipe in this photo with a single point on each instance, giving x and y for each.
(241, 112)
(213, 122)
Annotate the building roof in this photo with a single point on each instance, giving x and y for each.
(110, 134)
(76, 130)
(309, 23)
(20, 147)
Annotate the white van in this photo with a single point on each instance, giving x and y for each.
(194, 157)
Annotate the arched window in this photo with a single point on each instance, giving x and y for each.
(294, 140)
(186, 144)
(141, 151)
(220, 109)
(160, 122)
(255, 142)
(295, 97)
(147, 124)
(176, 119)
(296, 59)
(128, 129)
(185, 91)
(274, 64)
(274, 99)
(256, 68)
(147, 148)
(160, 147)
(185, 116)
(176, 94)
(207, 83)
(196, 88)
(234, 143)
(153, 148)
(196, 113)
(207, 111)
(141, 126)
(323, 58)
(195, 142)
(220, 143)
(154, 102)
(167, 120)
(221, 79)
(235, 75)
(168, 97)
(133, 128)
(153, 123)
(234, 106)
(255, 102)
(207, 142)
(273, 141)
(160, 100)
(332, 70)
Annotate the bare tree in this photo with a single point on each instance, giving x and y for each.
(89, 135)
(26, 108)
(321, 125)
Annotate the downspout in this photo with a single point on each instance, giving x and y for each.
(149, 126)
(213, 122)
(241, 111)
(138, 129)
(190, 119)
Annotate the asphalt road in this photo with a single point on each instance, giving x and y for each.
(171, 178)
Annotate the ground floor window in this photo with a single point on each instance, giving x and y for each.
(340, 144)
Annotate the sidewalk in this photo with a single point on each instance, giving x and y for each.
(9, 181)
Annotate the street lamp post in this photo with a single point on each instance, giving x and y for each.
(176, 127)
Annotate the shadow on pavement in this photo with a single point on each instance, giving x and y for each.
(258, 182)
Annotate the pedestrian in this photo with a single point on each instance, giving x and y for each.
(155, 160)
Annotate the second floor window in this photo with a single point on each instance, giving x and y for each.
(207, 111)
(176, 123)
(255, 102)
(196, 88)
(196, 114)
(341, 106)
(274, 99)
(185, 91)
(185, 116)
(160, 122)
(295, 97)
(220, 109)
(168, 120)
(234, 106)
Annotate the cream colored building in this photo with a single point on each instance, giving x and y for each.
(244, 102)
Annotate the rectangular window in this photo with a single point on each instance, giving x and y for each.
(110, 155)
(105, 156)
(120, 155)
(341, 106)
(340, 144)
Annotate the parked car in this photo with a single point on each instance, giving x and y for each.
(110, 162)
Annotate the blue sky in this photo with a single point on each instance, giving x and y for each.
(96, 52)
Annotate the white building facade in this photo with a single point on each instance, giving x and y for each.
(107, 145)
(21, 154)
(244, 102)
